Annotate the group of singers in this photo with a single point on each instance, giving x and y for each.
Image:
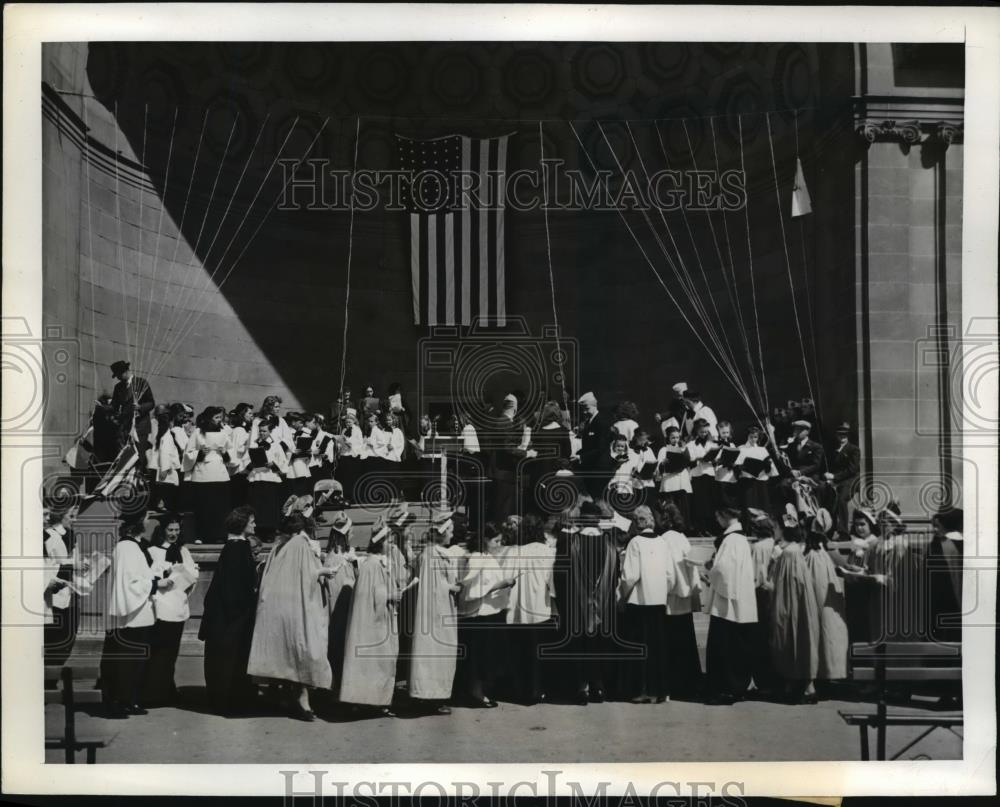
(593, 602)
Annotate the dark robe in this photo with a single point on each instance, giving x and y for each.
(227, 627)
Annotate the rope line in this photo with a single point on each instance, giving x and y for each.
(350, 252)
(93, 273)
(121, 260)
(548, 253)
(788, 262)
(138, 267)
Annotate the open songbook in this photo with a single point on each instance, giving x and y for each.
(755, 467)
(183, 576)
(258, 457)
(83, 582)
(728, 456)
(675, 459)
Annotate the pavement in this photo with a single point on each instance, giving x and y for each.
(674, 731)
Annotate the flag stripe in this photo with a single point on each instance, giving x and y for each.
(466, 242)
(449, 268)
(484, 236)
(415, 264)
(432, 270)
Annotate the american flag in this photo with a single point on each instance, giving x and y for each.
(124, 471)
(456, 238)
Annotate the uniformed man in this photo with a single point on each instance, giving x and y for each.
(131, 403)
(845, 465)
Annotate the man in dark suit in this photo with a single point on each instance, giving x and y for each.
(595, 440)
(131, 403)
(503, 436)
(845, 465)
(804, 459)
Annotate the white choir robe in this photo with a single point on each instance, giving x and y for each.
(702, 412)
(170, 461)
(470, 440)
(732, 593)
(130, 603)
(530, 600)
(701, 467)
(676, 481)
(281, 433)
(239, 445)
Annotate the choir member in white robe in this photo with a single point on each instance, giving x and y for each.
(62, 606)
(732, 607)
(372, 645)
(482, 607)
(129, 622)
(684, 675)
(435, 620)
(280, 430)
(703, 494)
(753, 485)
(239, 457)
(208, 450)
(529, 611)
(647, 576)
(340, 559)
(626, 417)
(264, 480)
(171, 443)
(675, 486)
(763, 551)
(171, 609)
(322, 453)
(298, 476)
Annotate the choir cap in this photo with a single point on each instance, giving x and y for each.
(755, 514)
(844, 428)
(510, 398)
(441, 519)
(680, 387)
(588, 398)
(802, 424)
(866, 514)
(119, 367)
(891, 513)
(401, 516)
(593, 531)
(342, 523)
(352, 412)
(569, 529)
(379, 530)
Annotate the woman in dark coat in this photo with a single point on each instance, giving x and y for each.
(228, 620)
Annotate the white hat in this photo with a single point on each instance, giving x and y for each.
(680, 386)
(588, 398)
(352, 411)
(511, 399)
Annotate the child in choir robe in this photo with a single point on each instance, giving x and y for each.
(268, 462)
(645, 484)
(435, 623)
(828, 588)
(623, 467)
(795, 622)
(755, 475)
(726, 481)
(340, 559)
(292, 628)
(397, 440)
(228, 618)
(684, 676)
(372, 644)
(298, 478)
(732, 608)
(763, 551)
(171, 443)
(675, 485)
(482, 607)
(208, 450)
(647, 576)
(171, 609)
(270, 410)
(321, 459)
(129, 622)
(528, 565)
(62, 606)
(239, 457)
(703, 450)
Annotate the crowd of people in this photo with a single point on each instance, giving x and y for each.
(594, 601)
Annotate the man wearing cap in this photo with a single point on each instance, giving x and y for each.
(697, 410)
(595, 443)
(677, 412)
(845, 465)
(131, 403)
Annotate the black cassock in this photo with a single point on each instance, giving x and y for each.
(227, 627)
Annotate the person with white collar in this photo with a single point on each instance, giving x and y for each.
(732, 608)
(62, 608)
(646, 579)
(703, 450)
(684, 673)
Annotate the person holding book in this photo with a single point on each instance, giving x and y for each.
(703, 451)
(646, 466)
(299, 475)
(622, 466)
(208, 454)
(171, 441)
(321, 454)
(172, 560)
(726, 481)
(268, 461)
(732, 609)
(239, 456)
(281, 432)
(674, 469)
(763, 551)
(62, 606)
(755, 468)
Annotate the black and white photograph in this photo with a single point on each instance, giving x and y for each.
(526, 394)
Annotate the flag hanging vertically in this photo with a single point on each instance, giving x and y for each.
(801, 204)
(124, 471)
(454, 196)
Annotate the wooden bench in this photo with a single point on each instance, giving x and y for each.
(910, 662)
(59, 691)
